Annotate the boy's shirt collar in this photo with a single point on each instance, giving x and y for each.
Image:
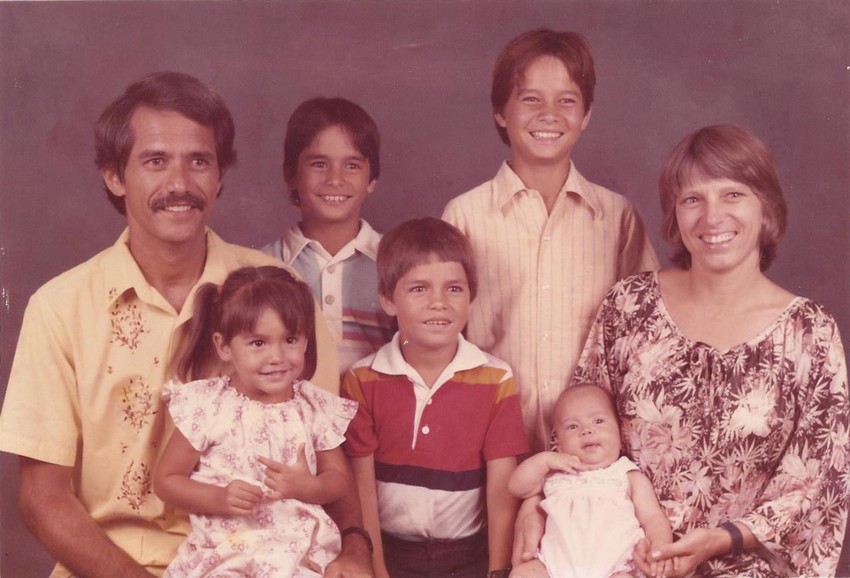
(366, 242)
(508, 185)
(389, 361)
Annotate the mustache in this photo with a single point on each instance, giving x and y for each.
(165, 201)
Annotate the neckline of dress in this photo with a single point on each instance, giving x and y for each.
(757, 338)
(296, 387)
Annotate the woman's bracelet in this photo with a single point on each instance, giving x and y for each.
(737, 538)
(360, 532)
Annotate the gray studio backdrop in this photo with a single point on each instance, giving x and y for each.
(780, 68)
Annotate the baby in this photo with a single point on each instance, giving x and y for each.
(598, 504)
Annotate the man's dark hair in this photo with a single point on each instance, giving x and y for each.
(164, 91)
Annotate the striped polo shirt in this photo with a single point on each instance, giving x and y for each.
(431, 445)
(346, 287)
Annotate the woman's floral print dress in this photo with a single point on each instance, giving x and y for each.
(757, 433)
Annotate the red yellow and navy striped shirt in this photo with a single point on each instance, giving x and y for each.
(431, 445)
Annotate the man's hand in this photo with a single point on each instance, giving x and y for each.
(355, 560)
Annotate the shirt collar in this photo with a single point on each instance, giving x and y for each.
(508, 185)
(389, 361)
(122, 273)
(366, 242)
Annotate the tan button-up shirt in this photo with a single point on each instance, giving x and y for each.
(542, 277)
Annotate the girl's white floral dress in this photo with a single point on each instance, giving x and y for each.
(282, 538)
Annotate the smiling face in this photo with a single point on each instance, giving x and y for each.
(544, 116)
(171, 179)
(268, 360)
(332, 179)
(586, 426)
(720, 221)
(431, 302)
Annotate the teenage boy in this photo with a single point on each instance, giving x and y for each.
(438, 429)
(331, 163)
(549, 243)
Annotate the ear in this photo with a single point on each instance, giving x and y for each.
(222, 348)
(113, 182)
(371, 187)
(586, 120)
(388, 306)
(500, 120)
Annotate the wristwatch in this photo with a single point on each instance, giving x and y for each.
(360, 532)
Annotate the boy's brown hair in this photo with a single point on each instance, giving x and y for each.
(568, 47)
(317, 114)
(418, 241)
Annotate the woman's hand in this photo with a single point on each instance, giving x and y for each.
(240, 497)
(683, 555)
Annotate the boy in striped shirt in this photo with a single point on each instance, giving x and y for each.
(331, 164)
(438, 428)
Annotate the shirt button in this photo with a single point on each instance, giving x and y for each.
(329, 299)
(429, 402)
(545, 337)
(546, 287)
(426, 430)
(331, 268)
(547, 237)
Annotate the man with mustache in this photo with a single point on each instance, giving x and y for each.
(97, 343)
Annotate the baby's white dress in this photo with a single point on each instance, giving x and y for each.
(282, 538)
(591, 526)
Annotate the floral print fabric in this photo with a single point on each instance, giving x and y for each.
(281, 538)
(757, 433)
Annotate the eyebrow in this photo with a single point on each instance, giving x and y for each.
(158, 152)
(426, 281)
(521, 88)
(314, 156)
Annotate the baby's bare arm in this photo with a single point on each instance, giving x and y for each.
(649, 513)
(527, 479)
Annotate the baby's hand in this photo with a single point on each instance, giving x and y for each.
(240, 497)
(656, 568)
(287, 481)
(664, 568)
(565, 463)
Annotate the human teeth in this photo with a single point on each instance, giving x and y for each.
(334, 198)
(722, 238)
(178, 208)
(545, 134)
(437, 322)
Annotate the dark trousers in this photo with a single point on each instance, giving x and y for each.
(464, 558)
